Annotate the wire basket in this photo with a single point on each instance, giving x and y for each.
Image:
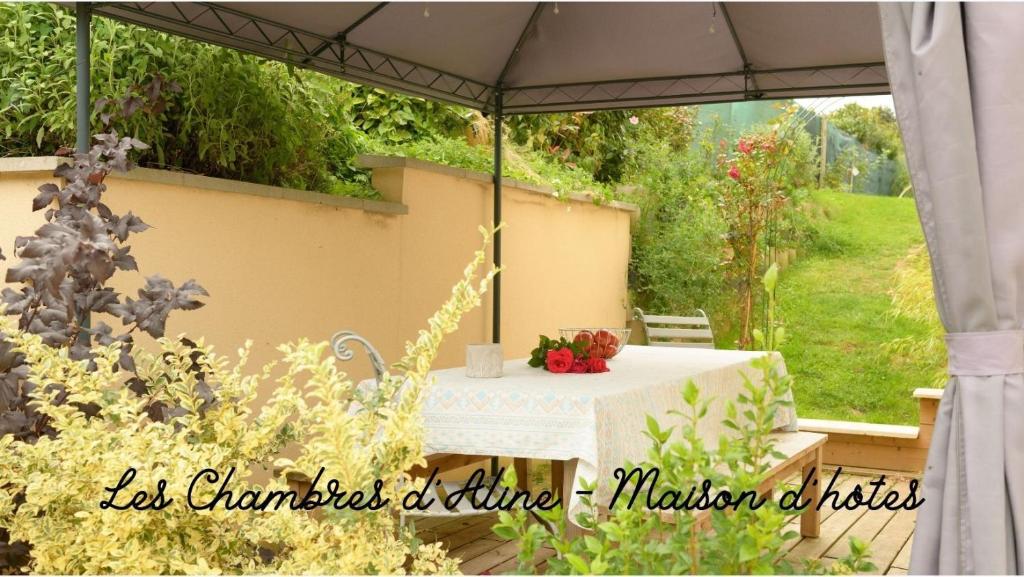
(603, 343)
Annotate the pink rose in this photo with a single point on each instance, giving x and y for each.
(744, 146)
(734, 173)
(559, 360)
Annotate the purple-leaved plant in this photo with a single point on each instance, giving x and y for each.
(64, 268)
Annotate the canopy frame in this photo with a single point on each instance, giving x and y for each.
(335, 55)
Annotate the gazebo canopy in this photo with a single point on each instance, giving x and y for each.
(532, 57)
(553, 56)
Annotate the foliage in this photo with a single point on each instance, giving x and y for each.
(877, 130)
(681, 254)
(839, 174)
(634, 540)
(603, 143)
(593, 141)
(358, 434)
(914, 298)
(677, 240)
(521, 164)
(774, 333)
(395, 118)
(65, 270)
(747, 205)
(263, 133)
(538, 356)
(677, 255)
(279, 126)
(585, 353)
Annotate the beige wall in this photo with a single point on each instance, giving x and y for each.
(282, 264)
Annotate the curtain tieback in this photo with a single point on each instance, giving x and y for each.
(988, 353)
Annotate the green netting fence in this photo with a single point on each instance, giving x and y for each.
(848, 164)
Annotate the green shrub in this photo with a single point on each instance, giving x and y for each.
(875, 128)
(50, 490)
(238, 116)
(677, 255)
(592, 141)
(677, 247)
(521, 164)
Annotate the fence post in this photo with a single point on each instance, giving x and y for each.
(823, 145)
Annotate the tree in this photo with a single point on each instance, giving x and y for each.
(875, 128)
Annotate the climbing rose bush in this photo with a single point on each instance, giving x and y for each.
(749, 195)
(357, 434)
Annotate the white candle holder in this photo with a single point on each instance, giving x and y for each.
(484, 361)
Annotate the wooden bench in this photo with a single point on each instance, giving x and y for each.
(803, 453)
(879, 446)
(803, 456)
(671, 331)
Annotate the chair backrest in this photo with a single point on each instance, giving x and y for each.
(670, 331)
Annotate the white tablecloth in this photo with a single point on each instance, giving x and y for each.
(596, 418)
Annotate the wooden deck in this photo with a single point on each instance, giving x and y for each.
(889, 533)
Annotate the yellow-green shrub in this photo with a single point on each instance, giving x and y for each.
(214, 425)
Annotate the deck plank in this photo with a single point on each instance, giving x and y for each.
(892, 539)
(842, 486)
(510, 565)
(832, 529)
(902, 560)
(481, 530)
(867, 528)
(450, 526)
(497, 556)
(476, 548)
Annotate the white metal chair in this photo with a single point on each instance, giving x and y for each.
(436, 495)
(672, 331)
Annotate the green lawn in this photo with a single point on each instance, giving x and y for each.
(834, 303)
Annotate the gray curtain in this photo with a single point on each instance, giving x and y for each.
(957, 77)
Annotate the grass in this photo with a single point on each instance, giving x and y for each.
(836, 306)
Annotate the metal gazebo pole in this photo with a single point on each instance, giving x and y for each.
(83, 19)
(83, 25)
(499, 117)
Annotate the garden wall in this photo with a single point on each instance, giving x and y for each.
(282, 264)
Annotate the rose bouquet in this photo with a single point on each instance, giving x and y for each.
(564, 356)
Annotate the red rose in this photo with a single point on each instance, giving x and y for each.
(597, 365)
(579, 366)
(559, 360)
(734, 173)
(744, 146)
